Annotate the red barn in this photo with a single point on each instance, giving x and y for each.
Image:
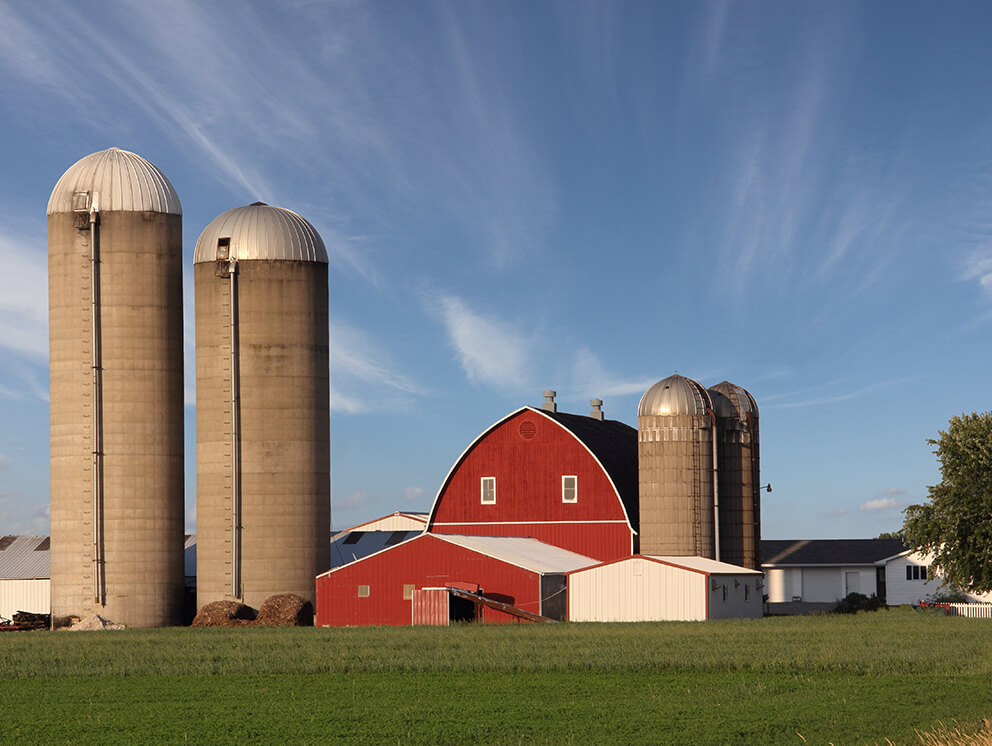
(564, 479)
(517, 572)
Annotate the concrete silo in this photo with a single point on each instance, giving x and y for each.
(739, 475)
(116, 391)
(675, 462)
(262, 406)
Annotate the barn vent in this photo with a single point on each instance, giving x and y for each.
(549, 401)
(527, 430)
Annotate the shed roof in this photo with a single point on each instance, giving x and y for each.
(802, 552)
(24, 557)
(704, 564)
(530, 554)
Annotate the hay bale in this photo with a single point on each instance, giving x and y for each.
(285, 610)
(224, 614)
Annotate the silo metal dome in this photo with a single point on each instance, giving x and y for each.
(674, 395)
(740, 401)
(122, 181)
(260, 231)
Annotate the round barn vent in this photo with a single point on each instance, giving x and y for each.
(527, 429)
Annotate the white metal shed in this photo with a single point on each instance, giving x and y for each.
(647, 588)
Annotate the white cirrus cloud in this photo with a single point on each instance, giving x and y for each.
(362, 376)
(412, 493)
(489, 350)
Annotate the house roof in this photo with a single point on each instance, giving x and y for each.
(24, 557)
(524, 552)
(802, 552)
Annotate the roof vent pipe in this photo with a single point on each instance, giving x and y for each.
(549, 401)
(597, 409)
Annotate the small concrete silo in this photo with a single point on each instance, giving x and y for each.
(675, 453)
(739, 475)
(116, 391)
(262, 406)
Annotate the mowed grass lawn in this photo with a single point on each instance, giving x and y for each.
(836, 679)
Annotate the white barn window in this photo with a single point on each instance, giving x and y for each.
(489, 490)
(569, 489)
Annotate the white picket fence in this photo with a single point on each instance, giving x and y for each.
(974, 611)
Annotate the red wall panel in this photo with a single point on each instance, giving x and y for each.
(528, 473)
(424, 562)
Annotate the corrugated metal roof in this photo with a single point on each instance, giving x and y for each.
(527, 553)
(350, 546)
(674, 395)
(189, 556)
(120, 181)
(25, 558)
(704, 564)
(796, 552)
(262, 232)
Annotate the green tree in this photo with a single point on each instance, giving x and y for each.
(889, 535)
(956, 524)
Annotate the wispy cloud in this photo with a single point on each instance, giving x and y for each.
(978, 266)
(412, 493)
(883, 503)
(835, 398)
(24, 297)
(5, 461)
(591, 378)
(363, 377)
(489, 350)
(352, 501)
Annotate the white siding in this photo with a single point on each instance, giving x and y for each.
(636, 590)
(395, 522)
(25, 595)
(900, 592)
(641, 590)
(784, 584)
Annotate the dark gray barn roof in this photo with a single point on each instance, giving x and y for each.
(803, 552)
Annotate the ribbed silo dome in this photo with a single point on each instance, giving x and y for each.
(674, 395)
(118, 180)
(260, 231)
(733, 401)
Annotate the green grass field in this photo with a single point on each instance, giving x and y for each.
(836, 679)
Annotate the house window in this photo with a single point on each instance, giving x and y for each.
(407, 591)
(363, 591)
(916, 572)
(489, 490)
(570, 489)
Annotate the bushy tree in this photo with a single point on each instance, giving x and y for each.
(956, 524)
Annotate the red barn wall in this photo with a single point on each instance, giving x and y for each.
(424, 562)
(528, 491)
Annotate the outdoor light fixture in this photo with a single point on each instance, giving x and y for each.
(765, 487)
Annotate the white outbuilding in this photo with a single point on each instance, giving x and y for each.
(25, 575)
(646, 588)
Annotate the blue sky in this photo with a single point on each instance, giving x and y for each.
(584, 196)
